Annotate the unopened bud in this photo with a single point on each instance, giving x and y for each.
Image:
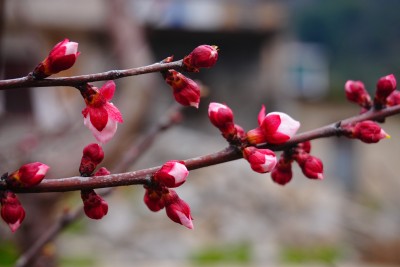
(93, 155)
(203, 56)
(261, 160)
(95, 206)
(356, 92)
(12, 211)
(177, 209)
(28, 175)
(185, 90)
(172, 174)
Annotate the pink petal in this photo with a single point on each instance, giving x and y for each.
(107, 90)
(261, 115)
(113, 112)
(98, 117)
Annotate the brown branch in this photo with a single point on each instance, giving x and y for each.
(228, 154)
(30, 81)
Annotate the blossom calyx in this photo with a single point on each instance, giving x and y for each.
(28, 175)
(186, 91)
(356, 92)
(61, 57)
(203, 56)
(385, 86)
(93, 154)
(95, 206)
(261, 160)
(274, 128)
(172, 174)
(100, 115)
(177, 209)
(12, 211)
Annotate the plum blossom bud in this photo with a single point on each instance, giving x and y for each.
(28, 175)
(221, 116)
(185, 90)
(274, 128)
(172, 174)
(12, 211)
(367, 131)
(282, 173)
(92, 156)
(95, 206)
(385, 86)
(203, 56)
(177, 209)
(261, 160)
(154, 199)
(61, 57)
(356, 92)
(100, 115)
(311, 166)
(393, 99)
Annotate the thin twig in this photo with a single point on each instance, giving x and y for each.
(228, 154)
(30, 81)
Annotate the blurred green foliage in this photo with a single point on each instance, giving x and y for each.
(8, 254)
(362, 37)
(318, 254)
(231, 253)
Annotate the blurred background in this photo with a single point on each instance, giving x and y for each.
(292, 56)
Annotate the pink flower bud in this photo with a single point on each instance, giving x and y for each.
(311, 166)
(61, 57)
(100, 115)
(95, 206)
(275, 128)
(172, 174)
(385, 86)
(92, 156)
(220, 115)
(28, 175)
(185, 90)
(154, 199)
(203, 56)
(356, 92)
(12, 211)
(261, 160)
(393, 99)
(177, 209)
(368, 132)
(282, 173)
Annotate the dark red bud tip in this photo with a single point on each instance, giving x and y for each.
(12, 211)
(95, 207)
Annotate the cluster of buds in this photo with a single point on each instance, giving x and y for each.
(385, 93)
(274, 128)
(186, 91)
(311, 166)
(100, 115)
(159, 195)
(61, 57)
(27, 175)
(95, 206)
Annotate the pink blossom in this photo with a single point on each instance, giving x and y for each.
(61, 57)
(28, 175)
(203, 56)
(172, 174)
(177, 209)
(185, 90)
(261, 160)
(274, 128)
(12, 211)
(101, 116)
